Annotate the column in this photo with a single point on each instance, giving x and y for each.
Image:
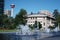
(45, 21)
(50, 21)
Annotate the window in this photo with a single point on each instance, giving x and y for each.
(44, 24)
(33, 17)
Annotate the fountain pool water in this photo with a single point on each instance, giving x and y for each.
(23, 30)
(26, 33)
(47, 30)
(56, 29)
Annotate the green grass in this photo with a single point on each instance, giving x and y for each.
(8, 30)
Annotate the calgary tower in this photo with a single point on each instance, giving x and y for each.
(12, 9)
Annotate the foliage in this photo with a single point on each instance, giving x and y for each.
(35, 24)
(39, 25)
(31, 27)
(10, 22)
(7, 23)
(21, 17)
(31, 13)
(56, 14)
(1, 18)
(58, 18)
(51, 27)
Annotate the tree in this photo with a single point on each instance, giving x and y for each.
(58, 20)
(57, 17)
(1, 20)
(35, 24)
(6, 22)
(39, 25)
(31, 27)
(51, 27)
(21, 17)
(55, 13)
(31, 13)
(11, 23)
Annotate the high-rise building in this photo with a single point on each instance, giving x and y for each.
(1, 6)
(7, 12)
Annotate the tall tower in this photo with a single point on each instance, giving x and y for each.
(12, 9)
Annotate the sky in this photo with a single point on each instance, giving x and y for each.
(32, 5)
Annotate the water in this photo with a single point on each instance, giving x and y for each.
(40, 35)
(24, 33)
(23, 30)
(56, 29)
(47, 30)
(17, 37)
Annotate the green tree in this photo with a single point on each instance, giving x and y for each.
(55, 13)
(51, 27)
(11, 23)
(31, 27)
(21, 17)
(39, 25)
(35, 24)
(57, 17)
(1, 20)
(4, 21)
(7, 23)
(31, 13)
(58, 20)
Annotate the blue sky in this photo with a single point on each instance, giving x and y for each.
(33, 5)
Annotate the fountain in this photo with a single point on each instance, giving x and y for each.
(56, 29)
(23, 30)
(26, 33)
(47, 30)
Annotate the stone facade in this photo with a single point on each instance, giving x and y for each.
(44, 17)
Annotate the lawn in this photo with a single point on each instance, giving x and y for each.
(8, 30)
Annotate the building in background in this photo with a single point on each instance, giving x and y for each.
(1, 6)
(43, 16)
(7, 12)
